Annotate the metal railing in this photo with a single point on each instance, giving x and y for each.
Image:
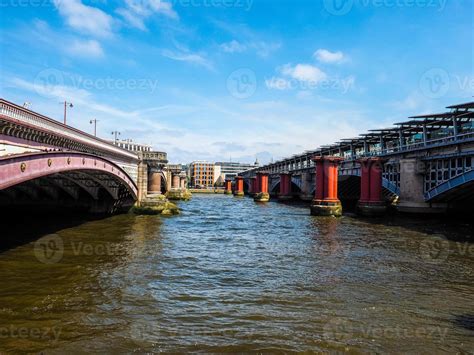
(46, 124)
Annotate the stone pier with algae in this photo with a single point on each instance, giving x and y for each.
(156, 204)
(179, 194)
(261, 197)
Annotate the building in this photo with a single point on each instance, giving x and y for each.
(201, 174)
(229, 170)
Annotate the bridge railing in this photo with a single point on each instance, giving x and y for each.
(43, 123)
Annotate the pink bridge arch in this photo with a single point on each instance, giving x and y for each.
(18, 169)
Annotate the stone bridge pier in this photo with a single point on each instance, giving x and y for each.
(412, 199)
(239, 186)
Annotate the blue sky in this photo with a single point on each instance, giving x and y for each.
(213, 79)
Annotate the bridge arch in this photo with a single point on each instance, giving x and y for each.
(84, 178)
(457, 188)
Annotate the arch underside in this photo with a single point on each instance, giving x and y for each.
(457, 189)
(65, 180)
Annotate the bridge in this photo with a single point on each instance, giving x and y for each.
(46, 163)
(422, 165)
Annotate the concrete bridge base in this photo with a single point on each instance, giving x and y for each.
(421, 207)
(326, 208)
(227, 192)
(262, 197)
(155, 204)
(179, 194)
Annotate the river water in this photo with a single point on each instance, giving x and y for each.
(230, 275)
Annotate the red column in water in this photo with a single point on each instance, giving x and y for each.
(239, 186)
(257, 184)
(326, 178)
(319, 192)
(228, 185)
(285, 184)
(376, 180)
(365, 172)
(262, 182)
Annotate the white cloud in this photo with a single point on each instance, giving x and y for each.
(304, 72)
(326, 56)
(83, 18)
(188, 57)
(90, 48)
(233, 47)
(136, 12)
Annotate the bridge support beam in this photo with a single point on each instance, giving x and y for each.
(371, 201)
(285, 187)
(262, 194)
(228, 187)
(239, 186)
(154, 183)
(412, 198)
(325, 202)
(175, 181)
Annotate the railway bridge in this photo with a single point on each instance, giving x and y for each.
(423, 165)
(47, 164)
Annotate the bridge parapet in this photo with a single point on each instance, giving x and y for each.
(45, 129)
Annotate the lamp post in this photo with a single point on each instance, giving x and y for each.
(116, 134)
(94, 121)
(66, 105)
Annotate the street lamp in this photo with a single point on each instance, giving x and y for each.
(66, 104)
(94, 121)
(116, 134)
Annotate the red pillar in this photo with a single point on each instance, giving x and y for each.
(376, 181)
(319, 179)
(285, 186)
(239, 186)
(257, 185)
(262, 194)
(262, 182)
(325, 201)
(371, 201)
(365, 180)
(228, 187)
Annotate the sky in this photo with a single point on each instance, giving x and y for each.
(236, 79)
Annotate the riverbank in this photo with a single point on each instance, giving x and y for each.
(207, 191)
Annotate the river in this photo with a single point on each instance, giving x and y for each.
(230, 275)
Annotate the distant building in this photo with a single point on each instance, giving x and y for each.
(229, 170)
(201, 174)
